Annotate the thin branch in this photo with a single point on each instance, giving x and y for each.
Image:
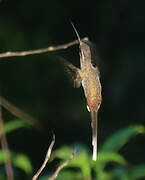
(14, 110)
(47, 157)
(8, 165)
(54, 176)
(39, 51)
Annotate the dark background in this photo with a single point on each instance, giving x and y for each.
(37, 83)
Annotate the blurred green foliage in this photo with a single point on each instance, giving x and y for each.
(14, 125)
(19, 160)
(37, 84)
(110, 164)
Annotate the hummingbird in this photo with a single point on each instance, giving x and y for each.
(88, 76)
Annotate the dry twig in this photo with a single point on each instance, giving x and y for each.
(38, 51)
(17, 112)
(47, 157)
(8, 165)
(14, 110)
(61, 167)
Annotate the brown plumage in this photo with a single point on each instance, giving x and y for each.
(89, 77)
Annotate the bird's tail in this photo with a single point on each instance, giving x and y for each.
(94, 134)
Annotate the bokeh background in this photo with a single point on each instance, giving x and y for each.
(37, 83)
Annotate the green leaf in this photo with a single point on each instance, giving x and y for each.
(102, 175)
(64, 175)
(14, 125)
(113, 157)
(136, 172)
(104, 158)
(21, 161)
(80, 160)
(18, 160)
(119, 139)
(62, 153)
(2, 157)
(70, 175)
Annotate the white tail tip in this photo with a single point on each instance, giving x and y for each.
(94, 155)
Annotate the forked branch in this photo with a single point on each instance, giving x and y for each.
(47, 157)
(61, 167)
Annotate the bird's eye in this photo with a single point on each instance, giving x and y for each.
(94, 65)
